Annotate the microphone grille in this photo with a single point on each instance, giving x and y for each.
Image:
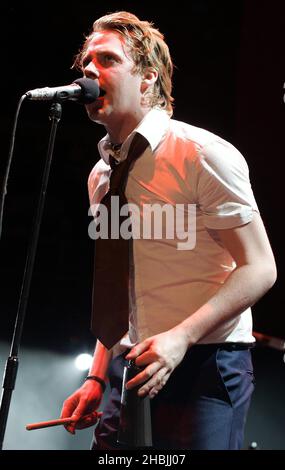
(90, 90)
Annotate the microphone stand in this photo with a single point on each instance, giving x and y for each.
(11, 368)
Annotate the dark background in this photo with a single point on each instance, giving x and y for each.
(228, 78)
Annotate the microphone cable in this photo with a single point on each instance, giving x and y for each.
(10, 156)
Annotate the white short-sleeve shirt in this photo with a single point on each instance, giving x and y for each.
(186, 167)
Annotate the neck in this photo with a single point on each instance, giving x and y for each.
(122, 127)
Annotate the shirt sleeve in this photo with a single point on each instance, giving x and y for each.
(98, 183)
(224, 192)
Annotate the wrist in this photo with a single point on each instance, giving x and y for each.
(185, 334)
(97, 379)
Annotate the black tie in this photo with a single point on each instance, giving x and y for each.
(110, 304)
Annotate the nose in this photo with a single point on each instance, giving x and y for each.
(90, 71)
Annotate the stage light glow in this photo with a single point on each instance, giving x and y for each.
(83, 361)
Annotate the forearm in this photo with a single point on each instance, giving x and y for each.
(243, 288)
(101, 359)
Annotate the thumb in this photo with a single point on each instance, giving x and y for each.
(77, 414)
(138, 349)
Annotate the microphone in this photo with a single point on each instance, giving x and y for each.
(83, 90)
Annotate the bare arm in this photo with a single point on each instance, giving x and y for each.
(101, 360)
(254, 275)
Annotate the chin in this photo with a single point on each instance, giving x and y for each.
(100, 115)
(93, 111)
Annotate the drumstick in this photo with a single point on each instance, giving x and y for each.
(46, 424)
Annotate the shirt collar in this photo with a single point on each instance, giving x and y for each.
(153, 127)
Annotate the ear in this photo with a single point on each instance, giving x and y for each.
(149, 77)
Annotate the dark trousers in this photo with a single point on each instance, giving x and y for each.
(203, 406)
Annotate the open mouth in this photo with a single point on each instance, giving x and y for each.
(98, 103)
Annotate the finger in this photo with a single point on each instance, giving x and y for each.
(141, 377)
(88, 420)
(69, 406)
(155, 384)
(70, 428)
(84, 422)
(67, 410)
(153, 392)
(80, 410)
(146, 358)
(78, 413)
(138, 349)
(73, 425)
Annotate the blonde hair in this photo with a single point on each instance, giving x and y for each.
(147, 49)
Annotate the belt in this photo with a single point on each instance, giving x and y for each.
(230, 346)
